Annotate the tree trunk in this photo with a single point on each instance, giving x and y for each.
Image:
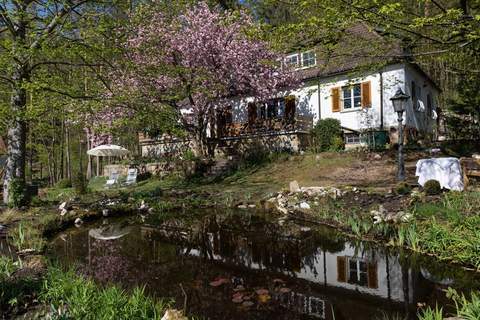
(16, 137)
(67, 155)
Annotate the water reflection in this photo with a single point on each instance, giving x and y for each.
(305, 273)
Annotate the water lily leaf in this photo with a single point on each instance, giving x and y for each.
(264, 298)
(285, 290)
(239, 288)
(262, 291)
(237, 299)
(218, 282)
(247, 304)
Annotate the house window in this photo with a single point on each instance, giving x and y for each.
(352, 138)
(292, 61)
(308, 59)
(429, 105)
(357, 272)
(352, 96)
(272, 108)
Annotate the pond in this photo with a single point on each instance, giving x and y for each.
(241, 265)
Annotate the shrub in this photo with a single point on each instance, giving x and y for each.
(79, 183)
(432, 187)
(64, 183)
(327, 135)
(17, 193)
(144, 176)
(403, 188)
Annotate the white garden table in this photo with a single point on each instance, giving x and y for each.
(447, 171)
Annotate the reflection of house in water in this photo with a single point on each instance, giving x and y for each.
(353, 268)
(303, 304)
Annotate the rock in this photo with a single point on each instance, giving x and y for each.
(242, 206)
(252, 206)
(294, 187)
(305, 229)
(173, 314)
(282, 210)
(78, 222)
(105, 212)
(143, 205)
(63, 205)
(304, 205)
(63, 212)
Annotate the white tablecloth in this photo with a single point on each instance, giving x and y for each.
(447, 171)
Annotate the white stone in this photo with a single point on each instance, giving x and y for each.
(252, 206)
(63, 212)
(105, 212)
(242, 206)
(304, 205)
(294, 187)
(173, 314)
(78, 222)
(282, 210)
(62, 206)
(305, 229)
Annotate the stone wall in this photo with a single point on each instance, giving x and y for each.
(156, 168)
(269, 142)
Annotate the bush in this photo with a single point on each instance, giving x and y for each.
(64, 184)
(144, 176)
(403, 188)
(432, 187)
(327, 135)
(17, 193)
(79, 183)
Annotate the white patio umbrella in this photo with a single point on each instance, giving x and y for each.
(107, 150)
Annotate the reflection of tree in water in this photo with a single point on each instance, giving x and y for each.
(107, 264)
(250, 240)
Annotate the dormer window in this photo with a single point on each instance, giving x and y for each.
(308, 59)
(292, 61)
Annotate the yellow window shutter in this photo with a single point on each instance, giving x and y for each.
(341, 269)
(366, 95)
(335, 99)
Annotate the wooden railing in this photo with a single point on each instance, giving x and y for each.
(300, 123)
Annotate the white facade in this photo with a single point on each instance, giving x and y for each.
(314, 99)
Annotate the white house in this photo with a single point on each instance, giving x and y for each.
(354, 88)
(353, 82)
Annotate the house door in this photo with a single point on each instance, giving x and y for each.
(221, 123)
(252, 113)
(290, 109)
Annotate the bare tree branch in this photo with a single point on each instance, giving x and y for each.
(55, 22)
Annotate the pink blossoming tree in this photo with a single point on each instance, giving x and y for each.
(196, 62)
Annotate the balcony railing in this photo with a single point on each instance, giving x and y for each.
(263, 126)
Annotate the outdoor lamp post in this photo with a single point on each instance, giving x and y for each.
(399, 102)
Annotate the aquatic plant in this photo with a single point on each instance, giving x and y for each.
(431, 314)
(26, 236)
(74, 297)
(468, 309)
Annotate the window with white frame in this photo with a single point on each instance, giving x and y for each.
(309, 59)
(292, 61)
(357, 272)
(352, 96)
(353, 138)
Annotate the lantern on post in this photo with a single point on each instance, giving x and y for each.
(399, 102)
